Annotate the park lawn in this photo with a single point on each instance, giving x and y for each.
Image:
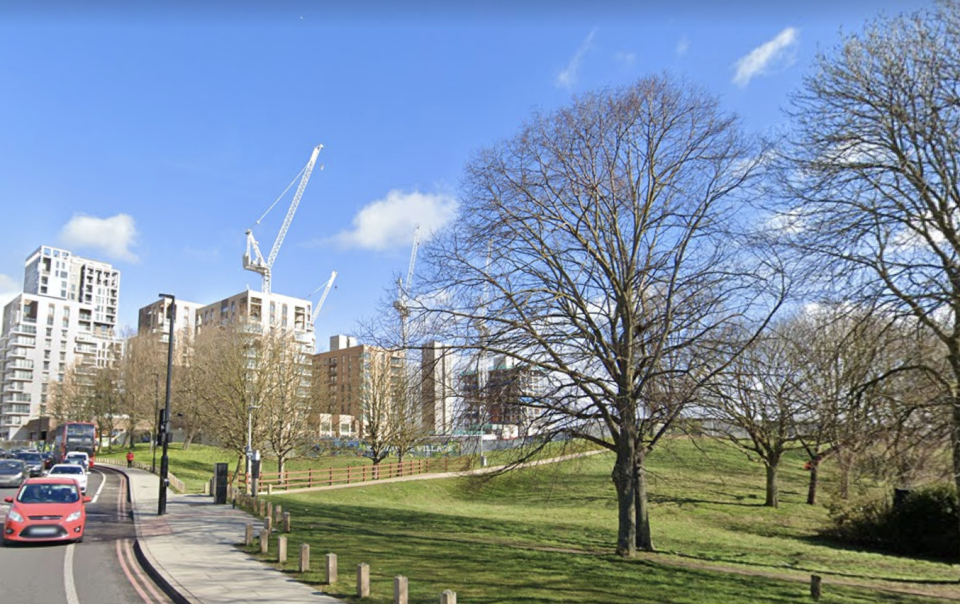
(548, 534)
(194, 465)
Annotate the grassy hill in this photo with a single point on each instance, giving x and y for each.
(548, 535)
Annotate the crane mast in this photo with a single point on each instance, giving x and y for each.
(323, 297)
(403, 287)
(253, 260)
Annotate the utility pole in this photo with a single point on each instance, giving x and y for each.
(165, 424)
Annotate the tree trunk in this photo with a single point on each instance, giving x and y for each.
(644, 537)
(624, 479)
(773, 491)
(814, 479)
(844, 478)
(955, 442)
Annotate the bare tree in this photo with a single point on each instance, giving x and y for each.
(597, 247)
(229, 380)
(875, 168)
(288, 410)
(757, 403)
(139, 374)
(383, 381)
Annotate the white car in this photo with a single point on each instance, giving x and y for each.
(72, 470)
(77, 455)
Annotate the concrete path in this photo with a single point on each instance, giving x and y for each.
(191, 550)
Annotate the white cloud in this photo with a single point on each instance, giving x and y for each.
(773, 54)
(683, 46)
(568, 75)
(390, 222)
(112, 236)
(625, 58)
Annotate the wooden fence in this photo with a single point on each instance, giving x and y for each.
(317, 477)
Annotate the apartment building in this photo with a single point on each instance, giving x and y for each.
(343, 373)
(66, 313)
(267, 311)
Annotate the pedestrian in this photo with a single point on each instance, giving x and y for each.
(130, 459)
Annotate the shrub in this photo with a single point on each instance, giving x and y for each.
(924, 523)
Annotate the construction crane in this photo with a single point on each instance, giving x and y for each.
(403, 287)
(253, 259)
(323, 297)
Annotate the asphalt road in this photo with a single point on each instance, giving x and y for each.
(101, 570)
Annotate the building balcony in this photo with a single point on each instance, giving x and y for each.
(18, 376)
(24, 329)
(85, 337)
(17, 353)
(14, 398)
(85, 349)
(20, 364)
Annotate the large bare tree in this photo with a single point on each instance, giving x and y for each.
(875, 167)
(598, 248)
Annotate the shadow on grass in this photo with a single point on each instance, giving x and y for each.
(487, 562)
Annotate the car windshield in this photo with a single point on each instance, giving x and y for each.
(49, 493)
(8, 466)
(34, 457)
(66, 470)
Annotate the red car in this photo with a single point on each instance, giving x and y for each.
(46, 509)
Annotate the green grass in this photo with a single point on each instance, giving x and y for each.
(548, 535)
(194, 465)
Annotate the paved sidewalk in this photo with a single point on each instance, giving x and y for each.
(193, 549)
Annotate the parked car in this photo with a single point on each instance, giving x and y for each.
(71, 470)
(13, 472)
(33, 460)
(46, 509)
(72, 455)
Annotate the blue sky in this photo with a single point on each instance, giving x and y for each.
(152, 136)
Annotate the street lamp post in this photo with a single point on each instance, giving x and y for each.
(156, 424)
(250, 409)
(165, 427)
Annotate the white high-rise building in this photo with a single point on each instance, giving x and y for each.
(67, 312)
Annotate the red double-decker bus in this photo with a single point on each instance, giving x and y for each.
(75, 436)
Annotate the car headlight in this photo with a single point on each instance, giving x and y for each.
(74, 516)
(13, 515)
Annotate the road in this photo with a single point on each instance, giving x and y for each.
(101, 570)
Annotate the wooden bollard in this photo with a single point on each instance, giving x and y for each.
(331, 569)
(282, 549)
(264, 540)
(815, 586)
(286, 522)
(278, 514)
(261, 506)
(248, 538)
(268, 524)
(269, 489)
(400, 590)
(363, 580)
(304, 565)
(448, 597)
(269, 513)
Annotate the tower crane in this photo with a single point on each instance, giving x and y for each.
(253, 259)
(323, 297)
(403, 287)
